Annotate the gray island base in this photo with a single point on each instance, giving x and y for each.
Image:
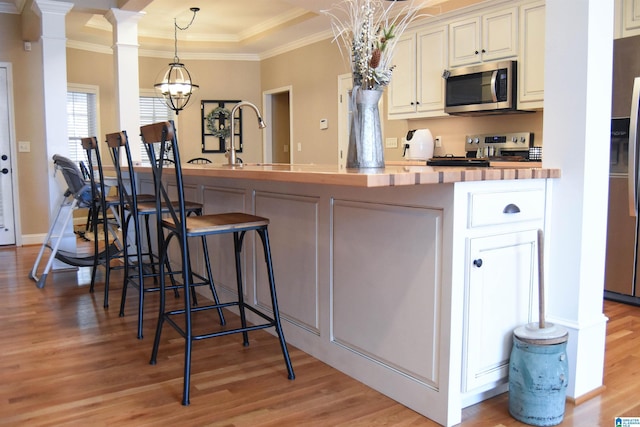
(410, 280)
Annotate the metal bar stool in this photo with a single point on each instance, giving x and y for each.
(136, 208)
(103, 204)
(179, 226)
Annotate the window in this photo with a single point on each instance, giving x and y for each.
(152, 109)
(82, 118)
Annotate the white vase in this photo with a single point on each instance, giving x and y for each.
(365, 134)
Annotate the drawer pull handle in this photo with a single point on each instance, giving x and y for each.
(477, 262)
(511, 209)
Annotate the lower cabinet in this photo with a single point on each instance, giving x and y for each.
(500, 292)
(500, 238)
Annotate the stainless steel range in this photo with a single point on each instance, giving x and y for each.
(482, 149)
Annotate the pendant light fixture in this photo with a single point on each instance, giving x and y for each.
(176, 86)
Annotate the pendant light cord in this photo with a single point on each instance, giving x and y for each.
(176, 27)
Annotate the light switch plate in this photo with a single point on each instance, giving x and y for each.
(391, 143)
(24, 146)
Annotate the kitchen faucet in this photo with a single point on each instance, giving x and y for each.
(231, 151)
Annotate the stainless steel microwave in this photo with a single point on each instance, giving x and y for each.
(481, 89)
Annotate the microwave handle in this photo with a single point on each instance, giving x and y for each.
(632, 171)
(494, 89)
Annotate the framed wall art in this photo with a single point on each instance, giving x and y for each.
(216, 125)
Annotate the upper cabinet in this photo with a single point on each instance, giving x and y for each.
(531, 60)
(488, 37)
(417, 89)
(627, 18)
(417, 86)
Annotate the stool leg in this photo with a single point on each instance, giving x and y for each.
(161, 308)
(192, 288)
(188, 335)
(127, 265)
(264, 236)
(205, 251)
(107, 263)
(237, 246)
(96, 262)
(139, 254)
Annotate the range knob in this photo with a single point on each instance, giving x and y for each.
(476, 140)
(523, 139)
(514, 139)
(469, 140)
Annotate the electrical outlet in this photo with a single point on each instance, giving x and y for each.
(299, 146)
(391, 143)
(438, 141)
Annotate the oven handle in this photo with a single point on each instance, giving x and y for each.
(494, 89)
(632, 171)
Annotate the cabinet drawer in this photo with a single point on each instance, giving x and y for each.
(505, 207)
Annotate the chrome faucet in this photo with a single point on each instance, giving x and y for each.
(231, 152)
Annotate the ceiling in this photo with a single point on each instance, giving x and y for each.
(250, 29)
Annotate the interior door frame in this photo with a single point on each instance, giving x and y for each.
(17, 225)
(267, 146)
(345, 84)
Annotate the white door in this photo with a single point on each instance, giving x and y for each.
(7, 224)
(345, 84)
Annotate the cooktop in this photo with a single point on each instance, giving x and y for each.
(457, 161)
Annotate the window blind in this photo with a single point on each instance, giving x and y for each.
(152, 110)
(81, 121)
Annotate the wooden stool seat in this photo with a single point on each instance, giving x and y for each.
(219, 223)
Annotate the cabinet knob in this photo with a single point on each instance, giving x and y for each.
(417, 102)
(477, 52)
(511, 209)
(484, 51)
(412, 103)
(477, 262)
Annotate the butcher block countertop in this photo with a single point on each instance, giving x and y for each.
(392, 175)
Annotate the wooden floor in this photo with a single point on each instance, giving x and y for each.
(65, 360)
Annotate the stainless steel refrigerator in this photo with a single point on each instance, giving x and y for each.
(622, 272)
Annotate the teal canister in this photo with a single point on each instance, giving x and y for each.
(538, 378)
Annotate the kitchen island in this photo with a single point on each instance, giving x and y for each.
(409, 279)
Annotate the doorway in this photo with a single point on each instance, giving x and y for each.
(277, 105)
(7, 163)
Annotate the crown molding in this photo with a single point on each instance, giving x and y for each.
(305, 41)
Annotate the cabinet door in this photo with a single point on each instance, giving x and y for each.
(531, 65)
(432, 60)
(402, 90)
(500, 296)
(500, 35)
(630, 18)
(464, 37)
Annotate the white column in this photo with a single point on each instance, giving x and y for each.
(54, 74)
(125, 48)
(577, 113)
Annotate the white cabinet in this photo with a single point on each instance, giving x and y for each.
(501, 277)
(417, 86)
(531, 63)
(488, 37)
(500, 285)
(630, 19)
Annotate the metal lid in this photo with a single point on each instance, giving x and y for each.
(533, 334)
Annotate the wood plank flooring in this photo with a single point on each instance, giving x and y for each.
(65, 360)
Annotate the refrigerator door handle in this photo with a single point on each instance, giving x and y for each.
(633, 150)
